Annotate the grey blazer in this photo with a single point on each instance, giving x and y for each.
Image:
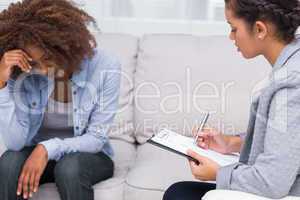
(270, 158)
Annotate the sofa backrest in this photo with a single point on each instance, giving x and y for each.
(179, 77)
(125, 47)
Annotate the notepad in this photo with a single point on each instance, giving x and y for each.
(180, 144)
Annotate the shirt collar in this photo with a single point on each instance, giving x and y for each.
(287, 53)
(78, 78)
(45, 81)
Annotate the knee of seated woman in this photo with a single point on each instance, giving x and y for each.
(174, 192)
(67, 167)
(11, 163)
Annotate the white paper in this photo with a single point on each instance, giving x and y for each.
(182, 144)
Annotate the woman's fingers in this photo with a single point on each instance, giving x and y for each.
(31, 183)
(23, 53)
(25, 185)
(197, 156)
(36, 182)
(25, 66)
(207, 137)
(20, 181)
(203, 144)
(17, 63)
(25, 61)
(202, 136)
(19, 58)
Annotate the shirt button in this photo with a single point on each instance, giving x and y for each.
(33, 103)
(75, 110)
(76, 127)
(74, 92)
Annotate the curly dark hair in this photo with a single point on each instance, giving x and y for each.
(284, 14)
(58, 27)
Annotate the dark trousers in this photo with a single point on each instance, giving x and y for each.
(188, 191)
(74, 174)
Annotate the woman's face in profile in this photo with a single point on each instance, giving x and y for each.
(241, 35)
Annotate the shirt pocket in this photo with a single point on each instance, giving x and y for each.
(35, 119)
(85, 108)
(35, 111)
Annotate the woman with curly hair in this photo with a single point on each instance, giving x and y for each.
(270, 153)
(58, 98)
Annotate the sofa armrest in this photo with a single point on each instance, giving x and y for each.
(235, 195)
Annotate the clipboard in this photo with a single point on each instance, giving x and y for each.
(150, 141)
(180, 144)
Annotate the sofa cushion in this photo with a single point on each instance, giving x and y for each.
(154, 171)
(235, 195)
(178, 77)
(111, 189)
(125, 48)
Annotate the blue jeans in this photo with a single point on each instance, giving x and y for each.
(74, 174)
(188, 191)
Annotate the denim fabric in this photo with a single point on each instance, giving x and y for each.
(74, 174)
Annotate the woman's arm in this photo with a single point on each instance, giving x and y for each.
(276, 168)
(14, 131)
(210, 138)
(234, 143)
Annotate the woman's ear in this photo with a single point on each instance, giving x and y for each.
(260, 30)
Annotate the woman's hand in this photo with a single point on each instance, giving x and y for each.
(209, 138)
(206, 170)
(32, 172)
(9, 60)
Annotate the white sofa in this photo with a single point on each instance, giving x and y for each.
(168, 80)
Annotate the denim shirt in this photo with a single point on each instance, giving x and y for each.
(95, 93)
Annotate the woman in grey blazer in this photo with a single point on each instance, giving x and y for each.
(270, 151)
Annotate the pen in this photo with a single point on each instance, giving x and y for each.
(201, 126)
